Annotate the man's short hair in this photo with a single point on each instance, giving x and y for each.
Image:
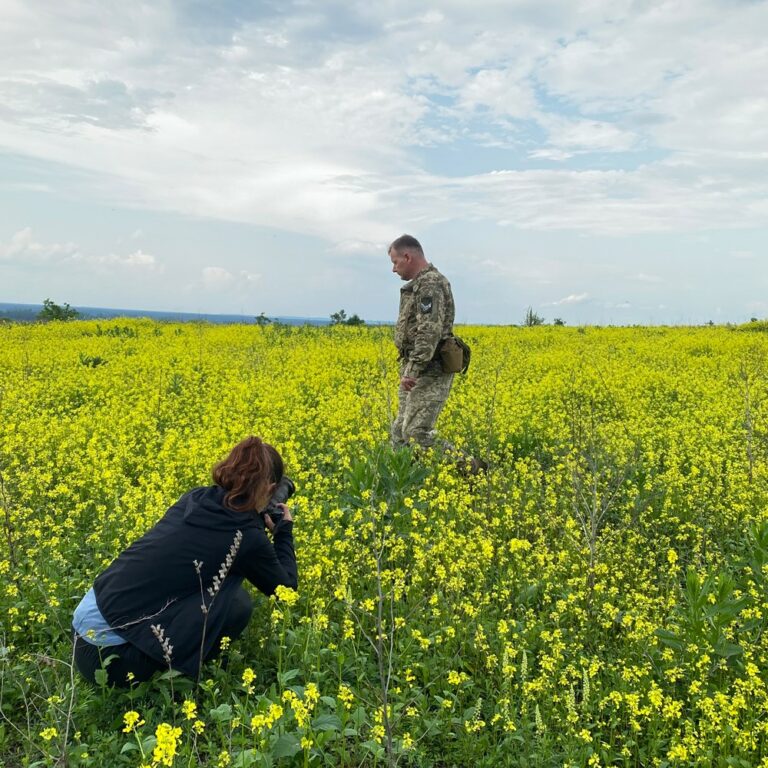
(406, 243)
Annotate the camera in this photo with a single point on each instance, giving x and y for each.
(285, 489)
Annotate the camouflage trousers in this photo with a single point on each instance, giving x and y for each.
(418, 409)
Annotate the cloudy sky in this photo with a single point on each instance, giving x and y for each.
(602, 161)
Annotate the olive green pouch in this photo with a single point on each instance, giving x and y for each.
(454, 355)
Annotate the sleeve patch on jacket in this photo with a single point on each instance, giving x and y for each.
(425, 304)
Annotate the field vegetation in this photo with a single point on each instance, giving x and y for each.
(598, 597)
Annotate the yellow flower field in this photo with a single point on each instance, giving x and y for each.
(598, 597)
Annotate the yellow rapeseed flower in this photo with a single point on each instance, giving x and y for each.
(286, 595)
(167, 741)
(131, 721)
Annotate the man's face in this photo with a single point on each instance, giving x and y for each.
(402, 264)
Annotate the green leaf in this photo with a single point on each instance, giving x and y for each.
(169, 674)
(100, 676)
(374, 747)
(326, 723)
(322, 737)
(222, 713)
(358, 717)
(751, 624)
(669, 639)
(286, 746)
(727, 650)
(129, 746)
(247, 758)
(287, 676)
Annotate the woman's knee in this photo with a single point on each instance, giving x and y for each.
(239, 613)
(123, 664)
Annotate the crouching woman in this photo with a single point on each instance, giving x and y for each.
(171, 596)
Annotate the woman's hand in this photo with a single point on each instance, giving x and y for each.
(286, 510)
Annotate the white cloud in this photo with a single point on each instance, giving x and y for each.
(607, 202)
(355, 247)
(684, 72)
(557, 155)
(573, 298)
(505, 92)
(24, 248)
(218, 278)
(139, 258)
(588, 135)
(521, 267)
(136, 260)
(642, 277)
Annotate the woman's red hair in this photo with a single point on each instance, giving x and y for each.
(250, 467)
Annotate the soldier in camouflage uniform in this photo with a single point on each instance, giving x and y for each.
(425, 319)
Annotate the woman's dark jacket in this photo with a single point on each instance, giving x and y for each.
(154, 581)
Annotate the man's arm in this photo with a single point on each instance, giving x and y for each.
(430, 311)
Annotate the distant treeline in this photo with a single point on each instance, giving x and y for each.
(20, 313)
(27, 313)
(30, 313)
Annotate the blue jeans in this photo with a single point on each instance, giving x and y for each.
(128, 658)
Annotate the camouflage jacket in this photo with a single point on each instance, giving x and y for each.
(426, 317)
